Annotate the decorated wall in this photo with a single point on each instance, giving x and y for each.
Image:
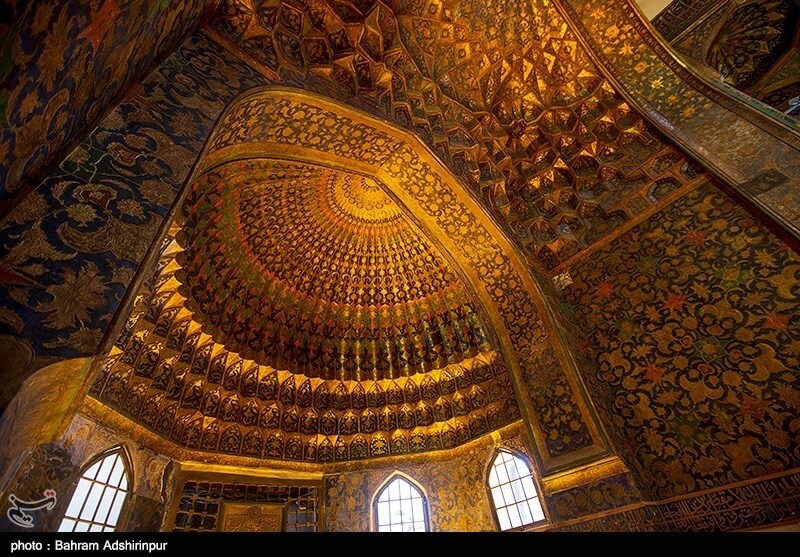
(71, 248)
(191, 369)
(457, 496)
(58, 466)
(692, 317)
(745, 144)
(679, 16)
(748, 506)
(63, 64)
(679, 305)
(209, 503)
(502, 92)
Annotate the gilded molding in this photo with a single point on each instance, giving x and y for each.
(581, 475)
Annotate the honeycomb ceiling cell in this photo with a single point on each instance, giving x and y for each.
(502, 91)
(319, 272)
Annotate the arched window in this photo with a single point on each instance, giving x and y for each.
(516, 502)
(400, 506)
(98, 498)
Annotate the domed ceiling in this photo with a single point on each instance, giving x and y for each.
(319, 272)
(299, 313)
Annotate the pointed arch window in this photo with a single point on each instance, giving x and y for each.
(516, 501)
(400, 506)
(98, 498)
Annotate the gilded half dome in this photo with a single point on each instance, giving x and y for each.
(299, 312)
(319, 272)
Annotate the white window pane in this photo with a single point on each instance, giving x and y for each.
(108, 529)
(512, 486)
(116, 476)
(502, 516)
(383, 512)
(530, 489)
(394, 489)
(519, 493)
(400, 507)
(92, 501)
(525, 513)
(105, 504)
(384, 528)
(95, 501)
(106, 465)
(405, 490)
(502, 475)
(418, 510)
(91, 472)
(123, 484)
(536, 509)
(511, 469)
(513, 514)
(419, 527)
(497, 495)
(508, 495)
(113, 515)
(78, 498)
(405, 507)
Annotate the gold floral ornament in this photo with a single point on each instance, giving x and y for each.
(319, 272)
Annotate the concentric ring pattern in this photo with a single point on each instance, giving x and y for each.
(319, 272)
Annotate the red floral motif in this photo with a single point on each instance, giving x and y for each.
(675, 302)
(779, 321)
(696, 237)
(604, 290)
(754, 407)
(654, 373)
(106, 17)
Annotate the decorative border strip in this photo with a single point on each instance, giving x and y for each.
(747, 505)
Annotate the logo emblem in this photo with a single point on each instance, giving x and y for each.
(18, 511)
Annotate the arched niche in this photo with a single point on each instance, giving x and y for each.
(291, 125)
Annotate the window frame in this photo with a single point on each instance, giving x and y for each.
(375, 523)
(122, 518)
(534, 478)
